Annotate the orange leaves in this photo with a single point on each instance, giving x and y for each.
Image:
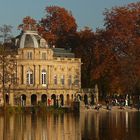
(123, 26)
(58, 20)
(28, 24)
(117, 51)
(123, 20)
(60, 24)
(110, 56)
(58, 27)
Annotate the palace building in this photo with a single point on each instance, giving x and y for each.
(46, 75)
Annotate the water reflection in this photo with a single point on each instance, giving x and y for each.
(110, 126)
(87, 126)
(36, 127)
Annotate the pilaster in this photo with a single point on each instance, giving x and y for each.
(28, 100)
(24, 74)
(37, 76)
(11, 99)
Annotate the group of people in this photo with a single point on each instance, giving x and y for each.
(122, 102)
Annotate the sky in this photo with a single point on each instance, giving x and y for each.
(86, 12)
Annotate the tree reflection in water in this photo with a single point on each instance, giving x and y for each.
(110, 126)
(86, 126)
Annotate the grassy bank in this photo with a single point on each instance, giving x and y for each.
(34, 109)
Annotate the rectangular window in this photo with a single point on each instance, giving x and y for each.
(43, 56)
(76, 80)
(70, 80)
(29, 55)
(31, 78)
(28, 76)
(43, 78)
(55, 80)
(62, 80)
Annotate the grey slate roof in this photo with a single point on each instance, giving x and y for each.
(61, 52)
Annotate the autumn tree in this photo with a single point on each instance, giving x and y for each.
(85, 51)
(110, 56)
(95, 54)
(28, 23)
(58, 27)
(119, 43)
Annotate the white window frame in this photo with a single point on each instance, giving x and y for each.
(30, 77)
(44, 78)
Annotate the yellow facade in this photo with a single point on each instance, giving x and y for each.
(44, 73)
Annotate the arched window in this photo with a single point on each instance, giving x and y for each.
(55, 79)
(29, 77)
(62, 80)
(44, 77)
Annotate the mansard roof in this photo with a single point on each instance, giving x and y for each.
(31, 39)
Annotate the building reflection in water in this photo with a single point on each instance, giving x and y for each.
(37, 127)
(110, 125)
(86, 126)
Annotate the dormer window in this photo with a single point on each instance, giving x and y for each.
(29, 43)
(43, 43)
(29, 55)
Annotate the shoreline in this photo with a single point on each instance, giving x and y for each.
(112, 109)
(51, 109)
(33, 110)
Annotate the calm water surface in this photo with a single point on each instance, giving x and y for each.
(86, 126)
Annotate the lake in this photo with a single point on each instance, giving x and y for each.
(69, 126)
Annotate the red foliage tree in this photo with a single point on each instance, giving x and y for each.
(28, 24)
(85, 51)
(58, 27)
(119, 44)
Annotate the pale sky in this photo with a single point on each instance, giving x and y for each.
(86, 12)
